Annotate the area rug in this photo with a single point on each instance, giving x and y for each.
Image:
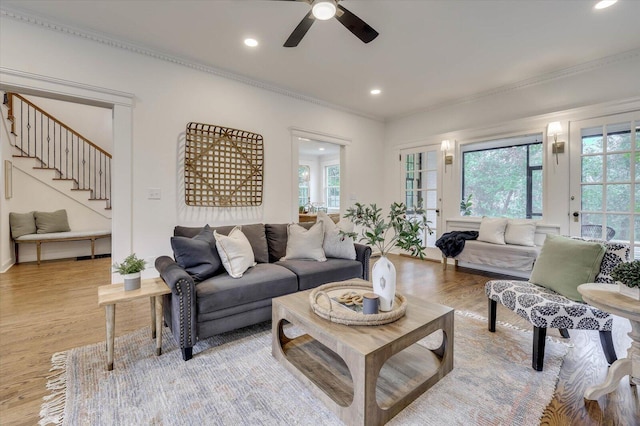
(233, 379)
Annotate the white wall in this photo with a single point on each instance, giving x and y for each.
(168, 96)
(604, 88)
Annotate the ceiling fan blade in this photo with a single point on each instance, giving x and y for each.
(300, 30)
(357, 26)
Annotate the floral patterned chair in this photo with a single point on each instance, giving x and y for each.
(544, 308)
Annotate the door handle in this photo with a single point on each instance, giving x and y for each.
(575, 216)
(438, 212)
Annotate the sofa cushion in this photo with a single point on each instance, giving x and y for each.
(255, 233)
(198, 255)
(235, 252)
(263, 281)
(311, 274)
(565, 263)
(22, 224)
(334, 244)
(52, 222)
(492, 230)
(305, 243)
(520, 232)
(277, 239)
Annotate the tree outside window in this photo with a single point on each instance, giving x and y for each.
(332, 185)
(505, 180)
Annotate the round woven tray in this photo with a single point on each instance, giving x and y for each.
(323, 304)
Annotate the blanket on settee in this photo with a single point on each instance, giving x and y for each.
(451, 244)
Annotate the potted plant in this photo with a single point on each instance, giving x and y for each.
(627, 275)
(401, 228)
(130, 269)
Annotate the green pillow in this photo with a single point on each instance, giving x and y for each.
(565, 263)
(47, 222)
(22, 224)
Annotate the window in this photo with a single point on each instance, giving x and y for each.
(304, 173)
(504, 177)
(332, 185)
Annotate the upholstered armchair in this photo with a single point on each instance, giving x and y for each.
(560, 306)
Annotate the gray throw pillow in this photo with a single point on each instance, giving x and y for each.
(47, 222)
(198, 255)
(22, 224)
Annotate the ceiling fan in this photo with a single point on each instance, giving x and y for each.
(327, 9)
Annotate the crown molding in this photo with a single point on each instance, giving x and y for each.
(532, 81)
(39, 21)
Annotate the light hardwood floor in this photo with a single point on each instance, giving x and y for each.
(53, 307)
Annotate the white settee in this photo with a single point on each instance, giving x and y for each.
(509, 259)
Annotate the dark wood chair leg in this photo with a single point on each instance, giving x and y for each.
(187, 353)
(493, 306)
(607, 346)
(564, 333)
(539, 335)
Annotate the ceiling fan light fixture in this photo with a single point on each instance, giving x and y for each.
(603, 4)
(324, 9)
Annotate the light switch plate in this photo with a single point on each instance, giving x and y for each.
(154, 193)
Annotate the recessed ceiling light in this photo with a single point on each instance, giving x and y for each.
(376, 91)
(303, 139)
(603, 4)
(321, 149)
(251, 42)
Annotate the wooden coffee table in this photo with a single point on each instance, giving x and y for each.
(365, 374)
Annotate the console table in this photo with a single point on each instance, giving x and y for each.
(607, 298)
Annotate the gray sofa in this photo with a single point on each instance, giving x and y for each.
(199, 309)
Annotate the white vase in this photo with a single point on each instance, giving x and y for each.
(633, 292)
(384, 282)
(131, 281)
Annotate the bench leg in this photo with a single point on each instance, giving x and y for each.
(539, 336)
(17, 253)
(564, 333)
(493, 307)
(444, 263)
(607, 346)
(93, 248)
(38, 244)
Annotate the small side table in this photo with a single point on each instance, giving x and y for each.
(608, 299)
(109, 295)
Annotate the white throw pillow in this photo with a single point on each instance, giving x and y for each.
(520, 232)
(492, 230)
(235, 252)
(305, 244)
(336, 245)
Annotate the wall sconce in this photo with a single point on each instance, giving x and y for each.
(448, 158)
(554, 129)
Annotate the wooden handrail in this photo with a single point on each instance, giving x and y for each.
(69, 129)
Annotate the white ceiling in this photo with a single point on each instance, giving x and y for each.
(429, 52)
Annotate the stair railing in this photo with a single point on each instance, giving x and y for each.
(58, 147)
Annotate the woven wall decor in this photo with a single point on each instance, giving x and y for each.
(223, 167)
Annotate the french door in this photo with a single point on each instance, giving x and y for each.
(420, 183)
(605, 179)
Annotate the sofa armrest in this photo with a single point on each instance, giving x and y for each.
(363, 254)
(172, 274)
(181, 313)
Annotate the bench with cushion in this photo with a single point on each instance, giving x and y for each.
(561, 306)
(48, 227)
(507, 246)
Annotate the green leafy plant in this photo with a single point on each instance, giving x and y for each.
(465, 206)
(130, 265)
(398, 229)
(628, 273)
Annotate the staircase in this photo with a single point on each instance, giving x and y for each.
(57, 152)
